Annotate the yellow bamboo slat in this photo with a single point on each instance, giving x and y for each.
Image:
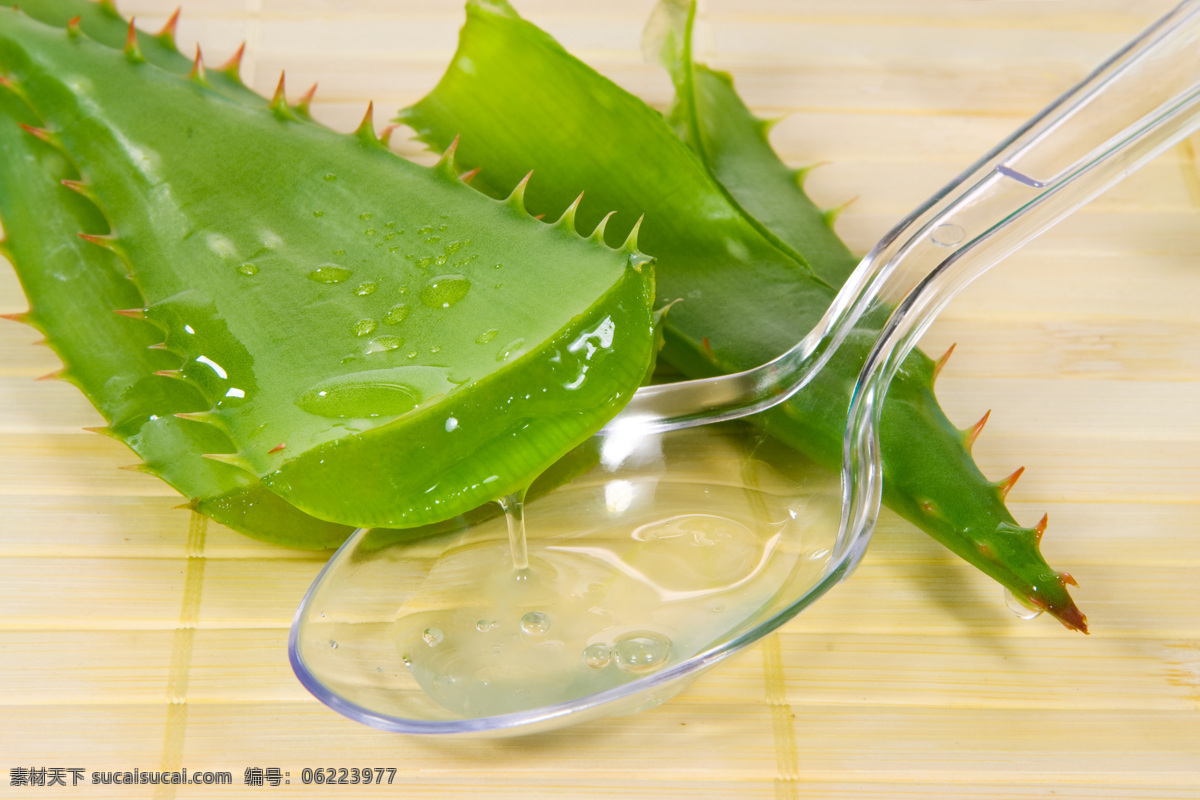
(135, 636)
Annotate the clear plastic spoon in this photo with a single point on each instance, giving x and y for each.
(679, 534)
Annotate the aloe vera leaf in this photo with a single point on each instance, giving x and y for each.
(73, 288)
(306, 370)
(711, 118)
(745, 298)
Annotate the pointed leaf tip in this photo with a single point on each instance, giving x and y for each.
(631, 241)
(832, 214)
(40, 133)
(1040, 528)
(972, 433)
(567, 220)
(941, 362)
(517, 198)
(108, 242)
(197, 73)
(132, 51)
(167, 34)
(303, 107)
(1008, 483)
(446, 161)
(278, 102)
(366, 128)
(233, 67)
(598, 233)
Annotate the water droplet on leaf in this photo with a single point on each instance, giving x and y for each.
(329, 273)
(444, 291)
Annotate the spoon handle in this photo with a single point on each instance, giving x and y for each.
(1142, 100)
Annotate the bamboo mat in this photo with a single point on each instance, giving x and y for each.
(136, 636)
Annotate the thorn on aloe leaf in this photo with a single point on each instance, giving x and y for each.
(1040, 528)
(598, 234)
(18, 316)
(41, 133)
(800, 175)
(233, 67)
(278, 102)
(170, 373)
(467, 176)
(73, 29)
(108, 242)
(108, 7)
(941, 362)
(167, 34)
(385, 136)
(517, 198)
(132, 51)
(446, 160)
(1068, 579)
(832, 214)
(277, 448)
(303, 107)
(56, 375)
(366, 128)
(1006, 485)
(197, 73)
(142, 468)
(567, 220)
(631, 241)
(103, 430)
(132, 313)
(972, 433)
(79, 187)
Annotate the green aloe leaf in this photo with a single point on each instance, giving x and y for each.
(382, 345)
(73, 288)
(749, 288)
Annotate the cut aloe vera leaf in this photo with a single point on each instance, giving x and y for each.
(383, 345)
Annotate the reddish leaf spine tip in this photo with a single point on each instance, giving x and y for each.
(169, 373)
(385, 137)
(233, 67)
(103, 430)
(539, 217)
(167, 34)
(20, 316)
(1008, 483)
(708, 351)
(832, 214)
(447, 159)
(40, 133)
(1040, 528)
(1068, 579)
(137, 468)
(107, 242)
(51, 376)
(467, 176)
(277, 448)
(158, 346)
(197, 73)
(941, 362)
(303, 107)
(7, 83)
(132, 313)
(79, 187)
(366, 128)
(132, 51)
(279, 99)
(73, 27)
(973, 432)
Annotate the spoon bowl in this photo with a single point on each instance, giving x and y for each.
(680, 534)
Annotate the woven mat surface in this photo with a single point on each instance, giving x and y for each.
(134, 636)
